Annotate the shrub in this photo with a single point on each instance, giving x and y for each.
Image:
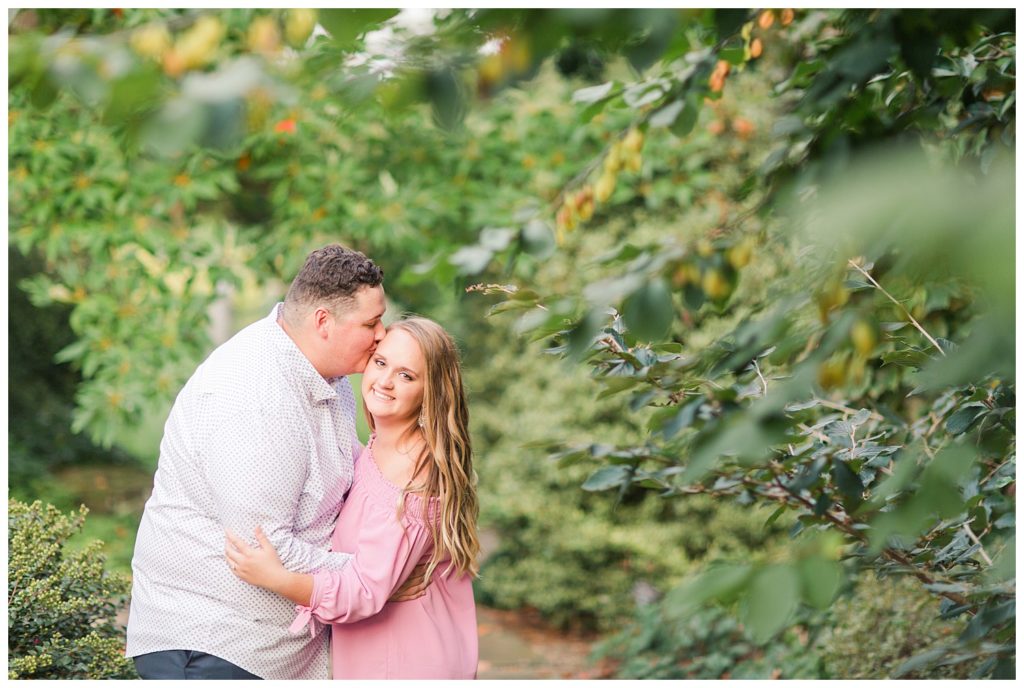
(868, 633)
(882, 625)
(707, 644)
(61, 607)
(580, 559)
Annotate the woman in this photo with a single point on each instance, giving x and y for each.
(413, 499)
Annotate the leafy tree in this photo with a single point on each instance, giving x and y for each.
(835, 401)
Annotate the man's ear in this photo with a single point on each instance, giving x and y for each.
(321, 321)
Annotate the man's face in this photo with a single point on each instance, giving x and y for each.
(353, 334)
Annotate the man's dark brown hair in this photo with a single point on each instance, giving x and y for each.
(331, 276)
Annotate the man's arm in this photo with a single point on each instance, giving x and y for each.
(256, 469)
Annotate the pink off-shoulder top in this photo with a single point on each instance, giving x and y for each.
(432, 637)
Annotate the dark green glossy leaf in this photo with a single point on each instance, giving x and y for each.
(607, 478)
(729, 21)
(849, 483)
(648, 312)
(962, 420)
(682, 419)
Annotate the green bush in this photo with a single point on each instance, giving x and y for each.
(580, 559)
(708, 644)
(61, 607)
(882, 625)
(868, 633)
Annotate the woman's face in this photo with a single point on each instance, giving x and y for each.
(393, 380)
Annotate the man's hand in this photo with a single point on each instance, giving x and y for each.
(413, 586)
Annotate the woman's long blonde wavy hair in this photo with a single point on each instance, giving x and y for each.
(450, 476)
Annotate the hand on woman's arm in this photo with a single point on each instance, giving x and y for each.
(260, 566)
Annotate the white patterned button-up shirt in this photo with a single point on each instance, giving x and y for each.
(256, 437)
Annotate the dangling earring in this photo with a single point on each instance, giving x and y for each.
(422, 420)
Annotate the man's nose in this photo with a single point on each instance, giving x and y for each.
(379, 332)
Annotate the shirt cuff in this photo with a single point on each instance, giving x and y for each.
(304, 614)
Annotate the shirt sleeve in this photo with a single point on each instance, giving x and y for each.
(385, 555)
(256, 471)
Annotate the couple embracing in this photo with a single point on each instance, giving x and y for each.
(274, 542)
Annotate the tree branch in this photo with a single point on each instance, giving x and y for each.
(900, 305)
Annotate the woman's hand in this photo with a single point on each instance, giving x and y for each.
(258, 565)
(413, 587)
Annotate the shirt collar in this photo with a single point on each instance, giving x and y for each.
(313, 382)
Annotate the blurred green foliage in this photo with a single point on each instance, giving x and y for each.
(867, 633)
(881, 624)
(578, 559)
(708, 645)
(41, 393)
(855, 403)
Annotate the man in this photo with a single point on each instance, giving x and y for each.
(263, 434)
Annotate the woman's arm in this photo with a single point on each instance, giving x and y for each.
(384, 568)
(262, 567)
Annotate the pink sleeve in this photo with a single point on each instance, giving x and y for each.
(385, 555)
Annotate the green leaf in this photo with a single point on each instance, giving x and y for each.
(962, 420)
(911, 358)
(922, 661)
(733, 56)
(659, 27)
(648, 312)
(607, 478)
(446, 97)
(775, 516)
(729, 21)
(72, 351)
(685, 121)
(665, 116)
(582, 334)
(131, 93)
(820, 580)
(496, 238)
(770, 601)
(681, 420)
(345, 26)
(849, 483)
(537, 239)
(720, 583)
(593, 94)
(1007, 104)
(471, 260)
